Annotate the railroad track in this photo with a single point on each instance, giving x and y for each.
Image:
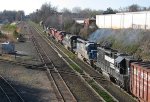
(61, 89)
(26, 65)
(8, 93)
(114, 90)
(76, 84)
(117, 92)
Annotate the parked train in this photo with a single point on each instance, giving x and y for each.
(129, 73)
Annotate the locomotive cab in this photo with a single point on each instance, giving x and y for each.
(122, 65)
(73, 41)
(91, 49)
(70, 41)
(87, 50)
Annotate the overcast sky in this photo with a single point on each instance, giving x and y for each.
(31, 5)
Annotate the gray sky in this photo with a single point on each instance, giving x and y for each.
(31, 5)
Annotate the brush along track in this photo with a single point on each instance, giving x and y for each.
(78, 87)
(115, 91)
(62, 91)
(8, 93)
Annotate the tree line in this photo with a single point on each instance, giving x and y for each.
(52, 17)
(12, 15)
(65, 19)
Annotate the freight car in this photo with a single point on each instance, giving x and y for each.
(86, 50)
(140, 80)
(70, 42)
(115, 65)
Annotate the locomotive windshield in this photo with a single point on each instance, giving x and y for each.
(93, 46)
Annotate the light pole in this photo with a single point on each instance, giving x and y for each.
(61, 21)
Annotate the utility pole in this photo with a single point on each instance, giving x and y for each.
(60, 21)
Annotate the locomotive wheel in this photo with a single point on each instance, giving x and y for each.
(84, 59)
(92, 63)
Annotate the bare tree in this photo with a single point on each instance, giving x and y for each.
(43, 13)
(11, 15)
(65, 11)
(19, 16)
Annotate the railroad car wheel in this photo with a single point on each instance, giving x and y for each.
(118, 83)
(92, 63)
(84, 59)
(113, 79)
(68, 48)
(99, 69)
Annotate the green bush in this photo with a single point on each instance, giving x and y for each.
(15, 34)
(9, 27)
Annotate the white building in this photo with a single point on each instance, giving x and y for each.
(136, 20)
(79, 20)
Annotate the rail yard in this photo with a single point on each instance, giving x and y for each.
(69, 75)
(71, 79)
(61, 78)
(117, 93)
(93, 51)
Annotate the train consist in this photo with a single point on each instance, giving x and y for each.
(129, 73)
(84, 49)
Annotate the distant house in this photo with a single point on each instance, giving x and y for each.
(89, 21)
(79, 20)
(1, 21)
(4, 21)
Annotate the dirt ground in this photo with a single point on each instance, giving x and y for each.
(33, 85)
